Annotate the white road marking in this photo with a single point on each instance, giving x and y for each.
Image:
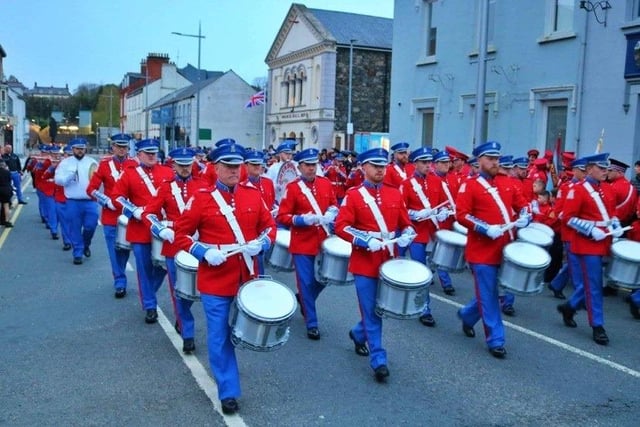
(198, 371)
(555, 342)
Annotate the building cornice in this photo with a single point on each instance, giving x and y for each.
(306, 53)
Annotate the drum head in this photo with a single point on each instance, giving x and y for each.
(336, 246)
(451, 237)
(283, 237)
(405, 272)
(542, 227)
(186, 261)
(267, 300)
(526, 254)
(535, 236)
(460, 228)
(627, 249)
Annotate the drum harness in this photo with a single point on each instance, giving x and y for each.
(147, 181)
(629, 195)
(423, 199)
(606, 220)
(377, 215)
(493, 191)
(114, 171)
(445, 187)
(177, 194)
(313, 202)
(227, 211)
(402, 173)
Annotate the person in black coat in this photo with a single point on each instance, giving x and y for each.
(6, 192)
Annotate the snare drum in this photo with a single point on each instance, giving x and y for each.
(535, 236)
(260, 318)
(624, 267)
(156, 251)
(542, 227)
(121, 234)
(448, 254)
(186, 276)
(333, 262)
(459, 228)
(280, 259)
(402, 288)
(522, 268)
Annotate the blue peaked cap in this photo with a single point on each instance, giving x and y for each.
(309, 155)
(400, 147)
(422, 153)
(121, 139)
(77, 143)
(601, 160)
(148, 145)
(182, 156)
(506, 161)
(521, 162)
(376, 156)
(286, 147)
(230, 154)
(491, 148)
(254, 157)
(441, 156)
(225, 141)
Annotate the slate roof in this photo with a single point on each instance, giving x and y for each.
(368, 31)
(184, 93)
(190, 73)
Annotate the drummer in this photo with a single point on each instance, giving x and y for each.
(367, 214)
(589, 209)
(222, 229)
(634, 234)
(308, 206)
(399, 169)
(422, 194)
(173, 195)
(484, 206)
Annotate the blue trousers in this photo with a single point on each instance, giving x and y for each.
(485, 305)
(222, 355)
(41, 204)
(369, 328)
(261, 263)
(61, 212)
(562, 278)
(586, 274)
(150, 277)
(308, 288)
(635, 297)
(181, 306)
(51, 216)
(16, 179)
(83, 220)
(418, 252)
(117, 257)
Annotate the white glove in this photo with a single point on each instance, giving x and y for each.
(616, 228)
(310, 219)
(598, 234)
(329, 216)
(406, 238)
(252, 248)
(215, 256)
(535, 207)
(442, 215)
(137, 213)
(522, 221)
(422, 214)
(494, 231)
(167, 234)
(109, 205)
(375, 245)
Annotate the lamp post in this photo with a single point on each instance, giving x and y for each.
(349, 124)
(482, 73)
(199, 36)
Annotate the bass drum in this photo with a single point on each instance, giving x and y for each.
(402, 289)
(522, 268)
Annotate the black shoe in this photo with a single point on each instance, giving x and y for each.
(556, 294)
(635, 310)
(313, 334)
(120, 293)
(360, 348)
(608, 291)
(188, 346)
(7, 224)
(87, 252)
(229, 406)
(428, 320)
(77, 261)
(600, 336)
(176, 326)
(449, 290)
(66, 247)
(508, 310)
(54, 237)
(498, 352)
(468, 330)
(567, 315)
(381, 373)
(152, 316)
(22, 203)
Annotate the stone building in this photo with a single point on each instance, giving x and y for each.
(308, 83)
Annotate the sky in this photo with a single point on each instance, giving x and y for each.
(58, 42)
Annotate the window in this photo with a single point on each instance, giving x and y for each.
(559, 17)
(427, 127)
(556, 124)
(430, 32)
(485, 127)
(292, 85)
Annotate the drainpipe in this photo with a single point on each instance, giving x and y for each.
(581, 70)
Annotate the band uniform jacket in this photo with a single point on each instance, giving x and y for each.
(393, 177)
(107, 177)
(432, 188)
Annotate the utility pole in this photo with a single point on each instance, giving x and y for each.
(482, 73)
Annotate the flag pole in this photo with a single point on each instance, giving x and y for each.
(264, 119)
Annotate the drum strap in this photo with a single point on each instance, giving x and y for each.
(629, 195)
(377, 215)
(423, 198)
(402, 173)
(114, 172)
(445, 188)
(227, 211)
(147, 181)
(177, 194)
(312, 201)
(493, 191)
(596, 198)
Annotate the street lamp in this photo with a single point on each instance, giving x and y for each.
(199, 36)
(349, 124)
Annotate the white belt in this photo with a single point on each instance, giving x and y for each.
(602, 223)
(381, 235)
(223, 248)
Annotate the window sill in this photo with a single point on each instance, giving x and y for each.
(427, 60)
(631, 25)
(490, 50)
(554, 37)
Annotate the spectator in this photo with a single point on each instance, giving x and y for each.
(6, 192)
(636, 179)
(15, 168)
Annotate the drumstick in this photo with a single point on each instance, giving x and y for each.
(509, 226)
(234, 252)
(623, 229)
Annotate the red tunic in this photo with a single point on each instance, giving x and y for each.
(131, 186)
(105, 177)
(267, 189)
(356, 177)
(308, 239)
(338, 177)
(45, 178)
(626, 198)
(566, 232)
(432, 188)
(547, 216)
(473, 199)
(202, 214)
(210, 176)
(355, 213)
(450, 183)
(393, 175)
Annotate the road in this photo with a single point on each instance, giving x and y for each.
(74, 355)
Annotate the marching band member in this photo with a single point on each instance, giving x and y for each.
(109, 171)
(172, 198)
(370, 213)
(485, 206)
(460, 169)
(589, 209)
(399, 168)
(422, 193)
(232, 214)
(308, 206)
(356, 177)
(634, 234)
(285, 170)
(199, 164)
(74, 173)
(337, 174)
(61, 207)
(133, 191)
(48, 187)
(626, 196)
(209, 173)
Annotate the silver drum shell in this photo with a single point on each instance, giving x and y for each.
(121, 234)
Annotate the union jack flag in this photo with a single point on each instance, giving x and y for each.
(256, 99)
